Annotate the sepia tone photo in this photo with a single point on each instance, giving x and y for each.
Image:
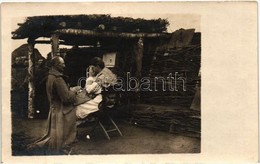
(141, 82)
(88, 84)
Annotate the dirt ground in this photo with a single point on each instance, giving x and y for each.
(135, 140)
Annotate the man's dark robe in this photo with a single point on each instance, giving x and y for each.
(61, 124)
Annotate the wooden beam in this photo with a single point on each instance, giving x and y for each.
(47, 42)
(111, 34)
(31, 57)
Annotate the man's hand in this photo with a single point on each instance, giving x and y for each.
(75, 89)
(91, 71)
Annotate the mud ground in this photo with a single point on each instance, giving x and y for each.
(135, 140)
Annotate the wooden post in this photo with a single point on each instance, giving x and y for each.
(31, 95)
(55, 45)
(138, 51)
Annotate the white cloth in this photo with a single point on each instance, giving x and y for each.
(83, 110)
(93, 86)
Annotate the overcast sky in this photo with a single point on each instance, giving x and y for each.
(176, 21)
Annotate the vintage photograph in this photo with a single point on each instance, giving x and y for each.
(129, 82)
(93, 84)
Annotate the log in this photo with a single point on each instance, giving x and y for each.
(47, 42)
(111, 34)
(55, 45)
(31, 95)
(138, 53)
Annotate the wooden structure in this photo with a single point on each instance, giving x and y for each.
(144, 48)
(83, 30)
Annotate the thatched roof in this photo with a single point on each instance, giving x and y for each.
(44, 26)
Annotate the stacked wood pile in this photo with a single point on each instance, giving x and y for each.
(168, 60)
(168, 110)
(171, 119)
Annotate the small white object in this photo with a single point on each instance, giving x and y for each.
(88, 137)
(166, 54)
(37, 111)
(109, 59)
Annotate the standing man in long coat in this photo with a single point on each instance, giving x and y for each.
(61, 125)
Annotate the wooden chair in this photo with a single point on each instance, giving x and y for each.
(110, 100)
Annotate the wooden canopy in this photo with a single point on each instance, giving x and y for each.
(92, 27)
(86, 30)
